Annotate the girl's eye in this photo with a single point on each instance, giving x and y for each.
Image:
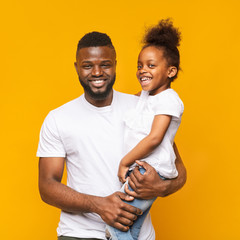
(139, 67)
(151, 65)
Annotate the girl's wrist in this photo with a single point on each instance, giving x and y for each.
(124, 163)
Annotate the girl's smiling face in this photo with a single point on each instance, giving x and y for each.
(153, 71)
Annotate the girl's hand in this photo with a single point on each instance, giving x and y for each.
(122, 172)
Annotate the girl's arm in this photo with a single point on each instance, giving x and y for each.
(146, 145)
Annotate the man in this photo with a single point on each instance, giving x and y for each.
(87, 133)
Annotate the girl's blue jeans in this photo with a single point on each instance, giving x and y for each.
(134, 230)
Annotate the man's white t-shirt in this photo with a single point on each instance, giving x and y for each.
(91, 139)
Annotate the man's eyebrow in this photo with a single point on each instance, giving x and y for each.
(107, 61)
(86, 62)
(103, 61)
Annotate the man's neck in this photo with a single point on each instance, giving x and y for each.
(100, 103)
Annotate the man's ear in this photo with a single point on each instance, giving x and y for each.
(75, 65)
(172, 71)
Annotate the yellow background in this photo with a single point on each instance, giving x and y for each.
(38, 44)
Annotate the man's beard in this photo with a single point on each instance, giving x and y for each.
(101, 95)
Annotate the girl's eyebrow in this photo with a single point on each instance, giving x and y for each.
(148, 60)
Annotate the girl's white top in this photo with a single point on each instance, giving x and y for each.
(138, 123)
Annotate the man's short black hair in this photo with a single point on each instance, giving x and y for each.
(95, 39)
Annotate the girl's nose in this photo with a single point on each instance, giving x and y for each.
(142, 70)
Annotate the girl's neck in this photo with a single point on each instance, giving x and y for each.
(161, 89)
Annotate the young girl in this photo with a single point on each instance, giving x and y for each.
(152, 125)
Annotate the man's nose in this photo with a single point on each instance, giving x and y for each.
(97, 71)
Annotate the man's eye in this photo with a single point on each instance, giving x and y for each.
(106, 65)
(87, 66)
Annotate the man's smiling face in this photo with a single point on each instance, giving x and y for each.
(96, 69)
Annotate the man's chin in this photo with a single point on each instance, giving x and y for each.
(98, 91)
(99, 94)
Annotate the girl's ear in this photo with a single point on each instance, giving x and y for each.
(172, 71)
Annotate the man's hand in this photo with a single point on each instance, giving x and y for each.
(117, 213)
(148, 185)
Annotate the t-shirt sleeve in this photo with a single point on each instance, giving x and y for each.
(50, 144)
(168, 104)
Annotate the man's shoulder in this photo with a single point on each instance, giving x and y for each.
(126, 96)
(124, 101)
(68, 106)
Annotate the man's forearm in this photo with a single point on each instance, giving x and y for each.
(111, 209)
(67, 199)
(171, 186)
(174, 185)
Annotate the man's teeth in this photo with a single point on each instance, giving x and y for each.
(98, 81)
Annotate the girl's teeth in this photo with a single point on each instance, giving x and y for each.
(145, 78)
